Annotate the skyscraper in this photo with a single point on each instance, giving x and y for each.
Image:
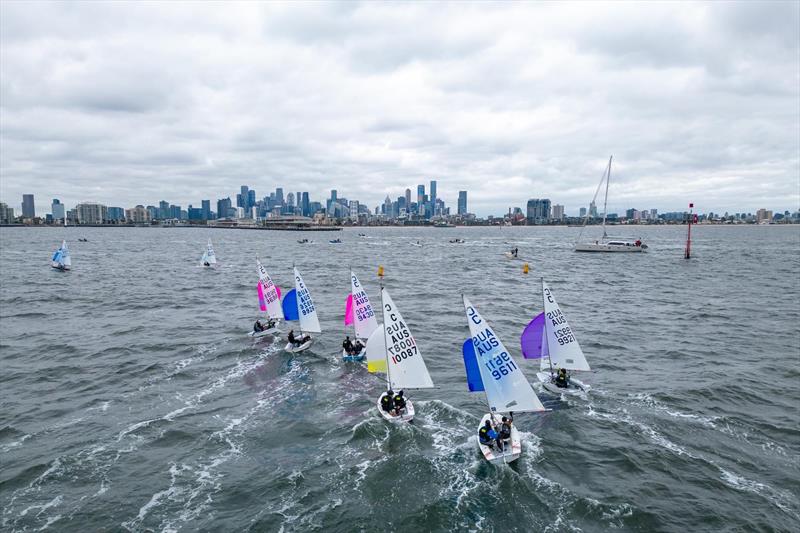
(420, 194)
(538, 210)
(223, 207)
(433, 194)
(57, 208)
(251, 198)
(28, 208)
(462, 202)
(408, 198)
(206, 209)
(306, 206)
(593, 210)
(290, 200)
(279, 196)
(558, 212)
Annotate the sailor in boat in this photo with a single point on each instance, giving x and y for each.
(562, 379)
(505, 431)
(399, 403)
(348, 346)
(258, 326)
(206, 264)
(638, 242)
(387, 402)
(487, 435)
(357, 347)
(297, 341)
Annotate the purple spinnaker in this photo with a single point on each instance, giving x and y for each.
(532, 339)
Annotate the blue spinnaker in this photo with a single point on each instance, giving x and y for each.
(471, 365)
(290, 306)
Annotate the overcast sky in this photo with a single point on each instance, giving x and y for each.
(134, 103)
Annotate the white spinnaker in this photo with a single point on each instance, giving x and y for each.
(274, 309)
(565, 352)
(406, 367)
(210, 257)
(505, 384)
(364, 320)
(305, 306)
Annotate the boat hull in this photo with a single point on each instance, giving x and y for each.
(512, 450)
(357, 358)
(576, 386)
(271, 331)
(291, 348)
(407, 416)
(611, 248)
(509, 255)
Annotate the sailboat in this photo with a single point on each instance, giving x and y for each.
(209, 257)
(61, 259)
(549, 338)
(402, 362)
(491, 369)
(298, 305)
(359, 313)
(606, 244)
(269, 300)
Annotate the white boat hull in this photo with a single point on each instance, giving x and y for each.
(60, 267)
(509, 255)
(271, 331)
(601, 247)
(407, 416)
(576, 386)
(291, 348)
(512, 451)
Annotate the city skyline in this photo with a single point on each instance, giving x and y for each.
(697, 102)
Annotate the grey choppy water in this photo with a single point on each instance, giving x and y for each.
(132, 399)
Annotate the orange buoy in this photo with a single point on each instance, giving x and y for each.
(525, 268)
(380, 271)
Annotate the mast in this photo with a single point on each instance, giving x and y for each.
(687, 253)
(605, 201)
(386, 346)
(549, 360)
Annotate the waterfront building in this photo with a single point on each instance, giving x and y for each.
(91, 213)
(582, 212)
(462, 202)
(538, 210)
(138, 215)
(28, 207)
(116, 214)
(593, 210)
(57, 208)
(408, 198)
(558, 212)
(6, 214)
(224, 208)
(206, 209)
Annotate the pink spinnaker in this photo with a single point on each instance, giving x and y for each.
(348, 310)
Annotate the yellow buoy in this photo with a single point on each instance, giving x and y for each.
(380, 271)
(525, 268)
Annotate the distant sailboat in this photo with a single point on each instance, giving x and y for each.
(209, 257)
(298, 305)
(402, 361)
(549, 338)
(269, 300)
(359, 314)
(605, 243)
(61, 259)
(491, 369)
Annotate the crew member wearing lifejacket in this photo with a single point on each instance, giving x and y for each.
(487, 435)
(348, 345)
(399, 403)
(295, 341)
(258, 326)
(505, 432)
(357, 347)
(562, 380)
(638, 242)
(387, 401)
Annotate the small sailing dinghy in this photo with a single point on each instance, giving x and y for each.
(491, 369)
(298, 305)
(209, 257)
(269, 301)
(358, 313)
(402, 362)
(549, 338)
(61, 259)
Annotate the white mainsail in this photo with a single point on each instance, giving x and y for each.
(505, 384)
(271, 297)
(565, 352)
(406, 368)
(61, 258)
(209, 256)
(364, 321)
(305, 306)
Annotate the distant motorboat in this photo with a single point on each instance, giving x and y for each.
(457, 241)
(335, 241)
(304, 241)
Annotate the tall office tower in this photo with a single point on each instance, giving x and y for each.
(251, 199)
(558, 212)
(279, 196)
(206, 209)
(462, 202)
(582, 212)
(223, 207)
(28, 208)
(58, 209)
(433, 195)
(408, 198)
(420, 194)
(290, 200)
(333, 194)
(163, 210)
(306, 205)
(538, 210)
(593, 210)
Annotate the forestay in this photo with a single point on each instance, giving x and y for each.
(565, 352)
(270, 292)
(305, 306)
(505, 384)
(406, 368)
(364, 320)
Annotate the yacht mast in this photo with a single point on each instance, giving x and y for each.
(605, 200)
